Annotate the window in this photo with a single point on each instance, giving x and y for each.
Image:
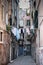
(34, 4)
(28, 12)
(6, 18)
(35, 20)
(0, 36)
(2, 12)
(28, 22)
(10, 21)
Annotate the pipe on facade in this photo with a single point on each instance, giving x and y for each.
(38, 4)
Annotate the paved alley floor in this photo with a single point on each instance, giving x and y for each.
(23, 60)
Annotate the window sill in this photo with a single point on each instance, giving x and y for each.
(1, 42)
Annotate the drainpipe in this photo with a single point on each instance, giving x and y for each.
(10, 52)
(39, 37)
(39, 31)
(38, 4)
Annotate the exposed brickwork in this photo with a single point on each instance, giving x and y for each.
(5, 45)
(5, 49)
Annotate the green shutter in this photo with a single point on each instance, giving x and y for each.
(35, 20)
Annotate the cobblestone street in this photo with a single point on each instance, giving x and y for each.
(23, 60)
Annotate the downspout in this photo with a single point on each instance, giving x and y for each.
(39, 29)
(38, 4)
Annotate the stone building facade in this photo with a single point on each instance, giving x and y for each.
(39, 56)
(14, 12)
(15, 20)
(37, 5)
(4, 35)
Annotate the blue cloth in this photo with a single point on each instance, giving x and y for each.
(17, 34)
(14, 30)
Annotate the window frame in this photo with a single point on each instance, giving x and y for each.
(1, 37)
(28, 23)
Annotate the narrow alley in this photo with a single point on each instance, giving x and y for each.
(23, 60)
(21, 32)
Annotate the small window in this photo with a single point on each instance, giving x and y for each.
(34, 4)
(2, 12)
(0, 36)
(10, 21)
(28, 22)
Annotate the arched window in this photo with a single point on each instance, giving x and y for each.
(10, 20)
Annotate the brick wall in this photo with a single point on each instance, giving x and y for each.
(5, 45)
(5, 49)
